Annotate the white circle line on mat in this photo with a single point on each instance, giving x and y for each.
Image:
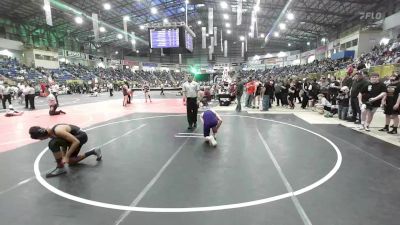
(303, 190)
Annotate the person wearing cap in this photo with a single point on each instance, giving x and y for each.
(370, 98)
(190, 91)
(65, 144)
(12, 112)
(5, 92)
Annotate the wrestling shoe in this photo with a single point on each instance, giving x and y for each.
(57, 171)
(97, 152)
(213, 142)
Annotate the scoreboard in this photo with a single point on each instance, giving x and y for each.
(164, 38)
(188, 41)
(172, 39)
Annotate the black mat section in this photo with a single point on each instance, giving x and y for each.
(364, 190)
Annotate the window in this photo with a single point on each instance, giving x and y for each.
(37, 56)
(348, 44)
(354, 42)
(343, 46)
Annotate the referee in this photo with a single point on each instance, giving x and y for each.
(190, 89)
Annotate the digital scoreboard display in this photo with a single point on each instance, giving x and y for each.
(164, 38)
(188, 41)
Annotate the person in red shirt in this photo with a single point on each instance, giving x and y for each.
(250, 90)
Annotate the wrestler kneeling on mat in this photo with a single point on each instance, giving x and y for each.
(66, 142)
(210, 120)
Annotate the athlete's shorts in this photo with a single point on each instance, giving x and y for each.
(208, 127)
(57, 143)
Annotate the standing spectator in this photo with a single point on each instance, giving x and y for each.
(278, 93)
(250, 90)
(239, 93)
(343, 100)
(305, 94)
(388, 102)
(268, 93)
(358, 83)
(5, 92)
(110, 88)
(190, 91)
(292, 95)
(259, 86)
(370, 97)
(162, 89)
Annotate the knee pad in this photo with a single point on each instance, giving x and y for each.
(56, 144)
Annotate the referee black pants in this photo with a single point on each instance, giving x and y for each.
(4, 99)
(191, 108)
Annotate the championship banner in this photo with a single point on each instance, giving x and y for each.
(203, 37)
(180, 58)
(239, 12)
(226, 48)
(242, 49)
(212, 45)
(215, 36)
(222, 46)
(133, 41)
(47, 10)
(211, 48)
(95, 19)
(210, 20)
(126, 29)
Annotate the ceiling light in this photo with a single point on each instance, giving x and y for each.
(133, 41)
(241, 38)
(187, 2)
(302, 22)
(199, 22)
(120, 36)
(153, 10)
(228, 31)
(308, 43)
(262, 35)
(126, 18)
(256, 8)
(226, 16)
(323, 39)
(141, 27)
(78, 20)
(276, 34)
(289, 44)
(107, 6)
(102, 29)
(116, 52)
(137, 51)
(183, 9)
(290, 16)
(250, 34)
(200, 5)
(227, 25)
(165, 20)
(282, 26)
(224, 5)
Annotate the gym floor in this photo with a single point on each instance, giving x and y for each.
(266, 169)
